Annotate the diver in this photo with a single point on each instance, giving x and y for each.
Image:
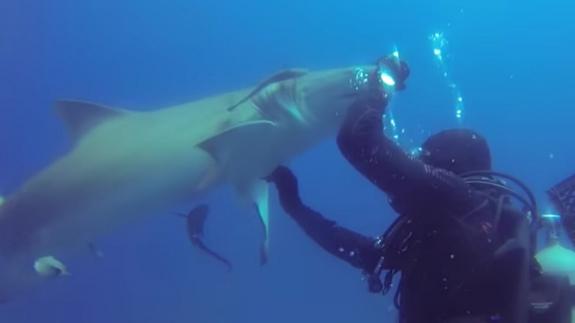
(462, 247)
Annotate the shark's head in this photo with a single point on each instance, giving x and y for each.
(325, 96)
(320, 99)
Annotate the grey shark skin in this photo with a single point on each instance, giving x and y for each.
(125, 165)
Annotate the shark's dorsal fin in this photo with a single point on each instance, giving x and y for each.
(277, 77)
(80, 116)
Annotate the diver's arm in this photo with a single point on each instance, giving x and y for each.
(364, 144)
(352, 247)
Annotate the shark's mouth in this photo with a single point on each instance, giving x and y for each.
(360, 79)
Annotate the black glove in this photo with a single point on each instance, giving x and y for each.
(287, 186)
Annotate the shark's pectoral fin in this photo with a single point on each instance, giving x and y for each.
(259, 192)
(211, 175)
(80, 116)
(224, 144)
(277, 77)
(228, 149)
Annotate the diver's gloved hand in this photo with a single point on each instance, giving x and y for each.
(287, 186)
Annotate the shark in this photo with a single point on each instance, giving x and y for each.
(127, 164)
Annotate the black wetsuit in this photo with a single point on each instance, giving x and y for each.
(448, 236)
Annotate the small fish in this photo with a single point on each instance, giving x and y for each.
(50, 267)
(196, 219)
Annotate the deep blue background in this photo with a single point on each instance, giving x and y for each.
(512, 60)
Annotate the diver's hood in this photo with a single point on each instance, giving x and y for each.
(457, 150)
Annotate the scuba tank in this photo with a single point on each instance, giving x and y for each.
(554, 258)
(556, 261)
(550, 296)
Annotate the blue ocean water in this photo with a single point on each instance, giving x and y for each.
(512, 62)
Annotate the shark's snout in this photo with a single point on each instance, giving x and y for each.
(367, 83)
(328, 94)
